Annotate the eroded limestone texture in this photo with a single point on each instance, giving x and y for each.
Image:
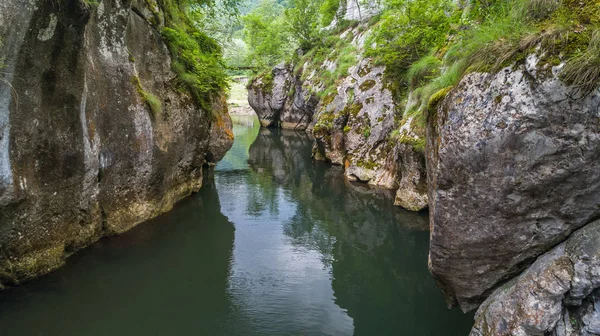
(558, 295)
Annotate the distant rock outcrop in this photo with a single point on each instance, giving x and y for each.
(353, 124)
(280, 99)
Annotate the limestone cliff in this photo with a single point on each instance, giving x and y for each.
(340, 96)
(512, 157)
(96, 132)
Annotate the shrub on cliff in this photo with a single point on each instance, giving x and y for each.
(303, 22)
(408, 31)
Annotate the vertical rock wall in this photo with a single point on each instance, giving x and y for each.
(82, 153)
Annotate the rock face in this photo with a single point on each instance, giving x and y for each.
(411, 177)
(280, 100)
(353, 127)
(357, 10)
(514, 168)
(82, 155)
(558, 295)
(353, 124)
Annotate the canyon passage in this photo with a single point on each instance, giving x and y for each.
(277, 245)
(386, 160)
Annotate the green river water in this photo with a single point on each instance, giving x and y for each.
(273, 244)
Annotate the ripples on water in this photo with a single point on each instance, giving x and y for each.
(276, 245)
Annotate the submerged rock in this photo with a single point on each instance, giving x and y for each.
(513, 168)
(84, 153)
(557, 295)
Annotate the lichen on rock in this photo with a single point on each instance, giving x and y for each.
(555, 296)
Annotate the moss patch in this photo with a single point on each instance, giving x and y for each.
(196, 57)
(368, 164)
(367, 85)
(365, 69)
(354, 109)
(151, 100)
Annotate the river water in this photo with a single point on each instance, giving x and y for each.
(273, 244)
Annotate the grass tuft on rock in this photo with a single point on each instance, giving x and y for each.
(582, 71)
(423, 71)
(196, 57)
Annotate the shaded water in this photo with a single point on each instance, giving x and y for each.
(276, 245)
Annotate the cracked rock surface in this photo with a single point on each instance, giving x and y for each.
(513, 169)
(558, 295)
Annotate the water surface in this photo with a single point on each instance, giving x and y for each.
(274, 244)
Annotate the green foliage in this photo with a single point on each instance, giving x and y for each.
(266, 35)
(491, 44)
(324, 123)
(495, 34)
(218, 19)
(409, 30)
(328, 11)
(367, 85)
(423, 71)
(235, 54)
(266, 78)
(303, 22)
(374, 20)
(367, 132)
(442, 83)
(368, 164)
(197, 60)
(344, 59)
(542, 9)
(418, 144)
(196, 57)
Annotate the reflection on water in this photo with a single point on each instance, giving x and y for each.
(278, 245)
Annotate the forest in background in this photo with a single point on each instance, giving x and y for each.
(426, 45)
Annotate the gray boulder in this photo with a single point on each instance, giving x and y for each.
(513, 165)
(558, 295)
(354, 127)
(281, 100)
